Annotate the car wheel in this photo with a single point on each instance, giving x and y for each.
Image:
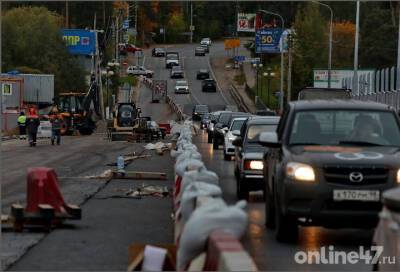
(286, 229)
(209, 139)
(215, 144)
(269, 210)
(242, 192)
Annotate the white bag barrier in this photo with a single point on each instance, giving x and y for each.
(187, 155)
(190, 194)
(213, 215)
(200, 174)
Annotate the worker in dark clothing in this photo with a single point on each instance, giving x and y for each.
(55, 129)
(32, 124)
(22, 125)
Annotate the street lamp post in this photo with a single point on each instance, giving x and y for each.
(330, 42)
(257, 67)
(282, 66)
(269, 75)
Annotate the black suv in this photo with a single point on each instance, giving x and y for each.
(209, 85)
(203, 74)
(199, 111)
(329, 163)
(221, 126)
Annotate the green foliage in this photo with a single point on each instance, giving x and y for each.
(131, 80)
(176, 25)
(31, 39)
(378, 37)
(310, 47)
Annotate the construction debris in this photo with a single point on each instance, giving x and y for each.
(105, 175)
(158, 145)
(139, 175)
(148, 190)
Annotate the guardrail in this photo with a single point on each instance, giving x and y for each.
(176, 108)
(238, 99)
(207, 230)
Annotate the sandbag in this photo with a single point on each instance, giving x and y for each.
(187, 165)
(213, 215)
(191, 192)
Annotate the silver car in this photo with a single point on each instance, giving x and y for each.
(182, 86)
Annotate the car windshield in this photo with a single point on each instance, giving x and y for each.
(172, 57)
(224, 118)
(181, 83)
(237, 124)
(345, 127)
(254, 131)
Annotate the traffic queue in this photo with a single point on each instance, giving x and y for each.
(321, 163)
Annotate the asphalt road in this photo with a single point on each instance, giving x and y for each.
(258, 241)
(109, 225)
(190, 64)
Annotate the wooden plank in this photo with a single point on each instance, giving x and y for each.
(140, 175)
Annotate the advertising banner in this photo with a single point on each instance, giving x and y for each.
(267, 40)
(79, 41)
(246, 22)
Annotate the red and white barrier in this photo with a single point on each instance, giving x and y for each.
(202, 219)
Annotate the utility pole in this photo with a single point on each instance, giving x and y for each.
(355, 71)
(136, 8)
(66, 15)
(191, 22)
(398, 59)
(289, 87)
(97, 74)
(117, 37)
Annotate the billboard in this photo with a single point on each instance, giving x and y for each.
(321, 77)
(267, 40)
(79, 41)
(246, 22)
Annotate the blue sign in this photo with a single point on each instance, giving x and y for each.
(79, 41)
(239, 58)
(125, 25)
(267, 40)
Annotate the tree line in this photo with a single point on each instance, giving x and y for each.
(23, 33)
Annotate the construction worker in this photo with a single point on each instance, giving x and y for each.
(22, 125)
(55, 129)
(32, 124)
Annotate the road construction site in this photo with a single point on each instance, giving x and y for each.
(118, 213)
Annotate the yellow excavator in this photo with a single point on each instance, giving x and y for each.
(78, 111)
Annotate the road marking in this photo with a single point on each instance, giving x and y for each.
(219, 87)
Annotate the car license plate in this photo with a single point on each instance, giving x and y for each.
(356, 195)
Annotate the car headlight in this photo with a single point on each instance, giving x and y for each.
(398, 176)
(231, 138)
(253, 165)
(300, 171)
(212, 128)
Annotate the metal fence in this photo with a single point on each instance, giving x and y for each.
(382, 85)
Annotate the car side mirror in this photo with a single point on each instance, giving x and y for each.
(269, 139)
(238, 141)
(236, 133)
(225, 129)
